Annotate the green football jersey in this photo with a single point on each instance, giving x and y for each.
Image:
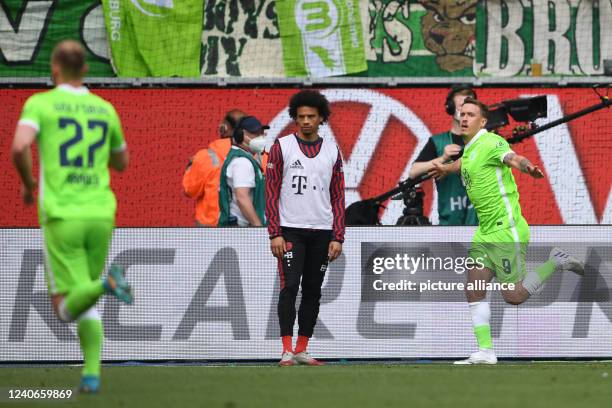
(77, 131)
(489, 182)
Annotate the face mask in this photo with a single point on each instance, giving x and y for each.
(257, 144)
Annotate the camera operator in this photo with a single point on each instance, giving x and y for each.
(242, 186)
(454, 207)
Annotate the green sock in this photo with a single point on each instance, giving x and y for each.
(483, 336)
(545, 270)
(90, 335)
(83, 297)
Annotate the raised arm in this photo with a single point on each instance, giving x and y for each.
(522, 164)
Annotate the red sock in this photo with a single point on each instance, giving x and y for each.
(287, 340)
(301, 344)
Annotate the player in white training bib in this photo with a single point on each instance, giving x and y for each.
(305, 213)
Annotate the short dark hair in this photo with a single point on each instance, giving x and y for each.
(484, 109)
(233, 116)
(313, 99)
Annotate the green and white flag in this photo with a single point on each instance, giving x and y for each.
(559, 37)
(30, 29)
(321, 37)
(155, 37)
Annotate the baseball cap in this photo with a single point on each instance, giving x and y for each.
(252, 124)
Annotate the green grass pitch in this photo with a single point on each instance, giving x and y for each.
(523, 385)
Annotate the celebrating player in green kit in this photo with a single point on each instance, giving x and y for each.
(79, 136)
(503, 234)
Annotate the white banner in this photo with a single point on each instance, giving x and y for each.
(212, 293)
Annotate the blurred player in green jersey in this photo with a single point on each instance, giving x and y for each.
(503, 234)
(79, 136)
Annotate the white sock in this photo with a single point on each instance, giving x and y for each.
(481, 313)
(532, 283)
(90, 314)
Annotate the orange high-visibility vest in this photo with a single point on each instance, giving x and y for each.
(264, 161)
(201, 181)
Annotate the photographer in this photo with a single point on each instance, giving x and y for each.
(201, 179)
(242, 187)
(454, 207)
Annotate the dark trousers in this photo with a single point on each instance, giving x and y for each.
(305, 259)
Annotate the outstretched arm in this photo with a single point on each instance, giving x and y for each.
(522, 164)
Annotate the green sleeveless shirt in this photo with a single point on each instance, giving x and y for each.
(225, 194)
(454, 207)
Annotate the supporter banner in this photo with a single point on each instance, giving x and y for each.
(400, 37)
(241, 38)
(212, 294)
(155, 38)
(419, 38)
(30, 29)
(543, 37)
(380, 133)
(321, 37)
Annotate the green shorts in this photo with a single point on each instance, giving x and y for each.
(503, 252)
(75, 252)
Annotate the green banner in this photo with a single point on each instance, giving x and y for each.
(424, 38)
(543, 37)
(155, 38)
(241, 39)
(30, 29)
(321, 37)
